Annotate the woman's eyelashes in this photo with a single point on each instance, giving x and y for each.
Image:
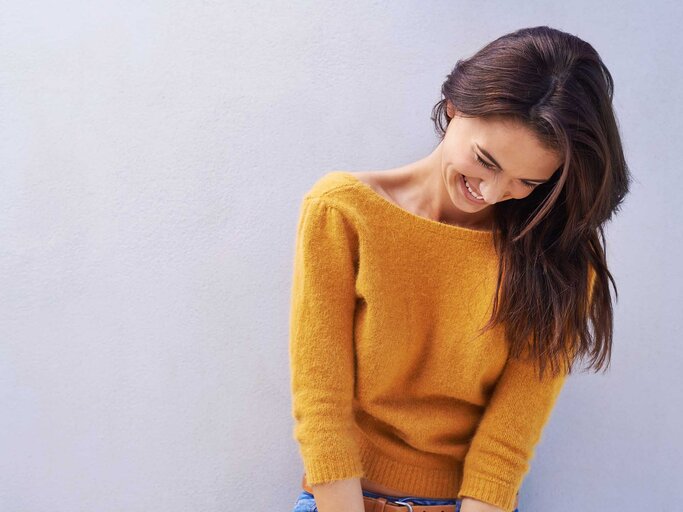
(482, 162)
(491, 167)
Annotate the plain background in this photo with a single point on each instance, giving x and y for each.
(153, 158)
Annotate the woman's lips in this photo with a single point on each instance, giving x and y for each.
(476, 191)
(467, 192)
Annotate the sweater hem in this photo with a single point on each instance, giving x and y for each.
(415, 481)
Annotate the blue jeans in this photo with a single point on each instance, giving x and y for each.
(306, 502)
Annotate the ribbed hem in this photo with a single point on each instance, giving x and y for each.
(497, 494)
(414, 480)
(331, 467)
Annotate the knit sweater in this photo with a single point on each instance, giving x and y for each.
(390, 379)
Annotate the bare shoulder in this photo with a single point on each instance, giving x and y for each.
(367, 177)
(397, 185)
(383, 182)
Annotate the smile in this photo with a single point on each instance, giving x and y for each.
(472, 195)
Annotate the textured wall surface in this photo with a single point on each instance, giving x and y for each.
(153, 156)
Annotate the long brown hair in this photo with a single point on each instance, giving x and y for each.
(553, 280)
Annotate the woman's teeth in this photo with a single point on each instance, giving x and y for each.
(472, 191)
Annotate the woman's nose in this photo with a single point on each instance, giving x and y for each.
(494, 192)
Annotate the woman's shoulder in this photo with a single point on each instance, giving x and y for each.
(330, 182)
(340, 182)
(345, 190)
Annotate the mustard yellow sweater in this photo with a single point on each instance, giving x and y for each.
(389, 380)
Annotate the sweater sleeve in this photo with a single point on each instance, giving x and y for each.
(321, 343)
(505, 439)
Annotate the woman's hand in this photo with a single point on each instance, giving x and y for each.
(472, 505)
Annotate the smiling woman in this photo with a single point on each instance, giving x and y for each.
(464, 160)
(438, 307)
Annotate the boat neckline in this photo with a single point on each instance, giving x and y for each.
(434, 225)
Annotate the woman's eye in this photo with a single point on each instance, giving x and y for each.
(482, 162)
(490, 166)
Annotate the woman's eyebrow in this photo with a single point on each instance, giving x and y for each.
(488, 155)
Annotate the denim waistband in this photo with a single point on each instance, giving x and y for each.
(417, 500)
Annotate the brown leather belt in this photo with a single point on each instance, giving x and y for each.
(383, 505)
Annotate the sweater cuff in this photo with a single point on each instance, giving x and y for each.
(331, 467)
(497, 494)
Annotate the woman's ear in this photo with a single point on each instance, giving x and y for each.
(451, 111)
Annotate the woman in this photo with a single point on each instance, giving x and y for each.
(437, 308)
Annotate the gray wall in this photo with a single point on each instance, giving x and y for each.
(153, 158)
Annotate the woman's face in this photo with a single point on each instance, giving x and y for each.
(496, 158)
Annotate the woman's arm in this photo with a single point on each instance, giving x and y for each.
(504, 443)
(321, 344)
(339, 496)
(473, 505)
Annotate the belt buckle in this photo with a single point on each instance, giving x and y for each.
(409, 505)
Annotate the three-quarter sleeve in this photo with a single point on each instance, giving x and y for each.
(321, 342)
(510, 428)
(504, 443)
